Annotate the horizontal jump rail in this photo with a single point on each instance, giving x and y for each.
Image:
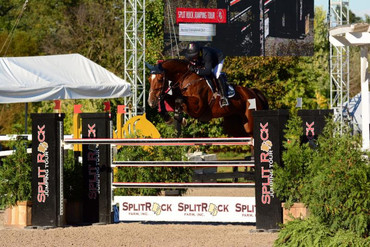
(212, 163)
(162, 141)
(10, 152)
(181, 185)
(12, 137)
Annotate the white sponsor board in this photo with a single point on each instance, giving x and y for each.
(267, 27)
(197, 29)
(186, 209)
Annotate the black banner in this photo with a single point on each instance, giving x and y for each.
(97, 171)
(313, 123)
(47, 169)
(268, 136)
(251, 27)
(288, 18)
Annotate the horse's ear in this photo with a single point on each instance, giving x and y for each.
(154, 69)
(149, 66)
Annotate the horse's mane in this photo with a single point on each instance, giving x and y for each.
(176, 60)
(175, 64)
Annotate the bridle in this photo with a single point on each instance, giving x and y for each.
(171, 86)
(162, 82)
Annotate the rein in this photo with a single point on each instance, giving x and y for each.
(182, 78)
(177, 84)
(174, 85)
(191, 83)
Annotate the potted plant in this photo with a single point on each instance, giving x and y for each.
(290, 177)
(15, 185)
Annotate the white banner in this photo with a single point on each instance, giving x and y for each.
(186, 209)
(267, 27)
(197, 29)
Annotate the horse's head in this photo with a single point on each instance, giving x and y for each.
(172, 70)
(157, 84)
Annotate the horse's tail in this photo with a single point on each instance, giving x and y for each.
(262, 98)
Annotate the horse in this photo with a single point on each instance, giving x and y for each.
(171, 81)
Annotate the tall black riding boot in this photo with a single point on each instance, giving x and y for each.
(223, 92)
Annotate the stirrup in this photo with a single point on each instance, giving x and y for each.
(224, 102)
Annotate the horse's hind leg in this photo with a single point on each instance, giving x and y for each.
(178, 116)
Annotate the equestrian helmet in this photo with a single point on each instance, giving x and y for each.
(192, 50)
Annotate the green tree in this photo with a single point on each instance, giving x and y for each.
(353, 18)
(93, 29)
(37, 19)
(367, 18)
(15, 175)
(154, 30)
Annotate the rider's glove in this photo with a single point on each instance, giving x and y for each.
(194, 69)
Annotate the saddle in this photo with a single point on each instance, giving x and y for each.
(211, 82)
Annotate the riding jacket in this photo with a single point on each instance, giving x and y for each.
(208, 59)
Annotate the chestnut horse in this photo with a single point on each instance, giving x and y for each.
(173, 82)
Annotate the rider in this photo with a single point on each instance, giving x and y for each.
(206, 61)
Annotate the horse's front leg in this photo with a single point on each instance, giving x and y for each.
(179, 116)
(248, 126)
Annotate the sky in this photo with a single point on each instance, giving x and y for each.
(359, 7)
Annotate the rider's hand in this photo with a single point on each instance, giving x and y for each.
(193, 69)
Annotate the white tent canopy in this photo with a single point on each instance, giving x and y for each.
(73, 76)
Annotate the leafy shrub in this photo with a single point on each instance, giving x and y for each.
(334, 183)
(338, 188)
(310, 232)
(16, 175)
(290, 176)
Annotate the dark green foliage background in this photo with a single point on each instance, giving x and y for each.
(15, 175)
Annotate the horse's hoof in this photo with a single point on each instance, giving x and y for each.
(184, 122)
(170, 121)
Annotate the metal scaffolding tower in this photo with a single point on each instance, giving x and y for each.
(339, 63)
(134, 56)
